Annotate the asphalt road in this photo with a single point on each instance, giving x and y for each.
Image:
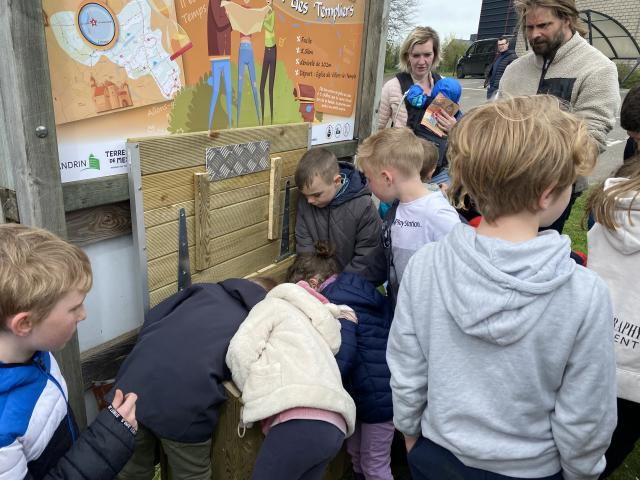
(473, 94)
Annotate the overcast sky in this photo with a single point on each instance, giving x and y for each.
(459, 17)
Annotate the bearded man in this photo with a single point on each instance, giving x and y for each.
(563, 64)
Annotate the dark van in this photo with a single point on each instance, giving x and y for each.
(478, 57)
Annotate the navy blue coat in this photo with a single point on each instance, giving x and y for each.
(362, 356)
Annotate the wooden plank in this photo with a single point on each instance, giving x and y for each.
(277, 271)
(201, 186)
(344, 149)
(24, 67)
(102, 362)
(161, 154)
(95, 192)
(275, 175)
(173, 190)
(184, 176)
(371, 66)
(91, 225)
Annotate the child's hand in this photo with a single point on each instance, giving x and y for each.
(445, 121)
(125, 405)
(409, 442)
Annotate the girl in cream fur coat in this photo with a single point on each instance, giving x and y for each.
(614, 252)
(282, 359)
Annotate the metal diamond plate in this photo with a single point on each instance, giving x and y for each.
(235, 160)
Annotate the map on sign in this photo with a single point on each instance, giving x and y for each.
(108, 55)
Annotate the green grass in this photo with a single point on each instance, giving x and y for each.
(574, 225)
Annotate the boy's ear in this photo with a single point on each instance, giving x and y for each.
(337, 180)
(387, 176)
(547, 197)
(20, 324)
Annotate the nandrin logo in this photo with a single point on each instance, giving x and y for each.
(94, 163)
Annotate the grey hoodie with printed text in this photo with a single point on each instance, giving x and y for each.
(502, 353)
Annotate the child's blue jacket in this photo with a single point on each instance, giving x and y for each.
(362, 356)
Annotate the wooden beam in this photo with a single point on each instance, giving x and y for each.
(371, 66)
(91, 225)
(102, 362)
(95, 192)
(275, 175)
(27, 105)
(344, 149)
(203, 232)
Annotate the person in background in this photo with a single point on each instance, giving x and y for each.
(630, 121)
(503, 59)
(614, 254)
(419, 54)
(563, 64)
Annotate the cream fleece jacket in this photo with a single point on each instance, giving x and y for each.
(390, 103)
(283, 357)
(591, 83)
(615, 256)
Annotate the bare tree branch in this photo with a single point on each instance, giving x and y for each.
(401, 19)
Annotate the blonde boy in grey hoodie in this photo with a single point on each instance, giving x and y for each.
(501, 348)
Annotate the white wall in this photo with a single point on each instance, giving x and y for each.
(113, 305)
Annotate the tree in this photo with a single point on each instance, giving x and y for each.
(401, 18)
(452, 49)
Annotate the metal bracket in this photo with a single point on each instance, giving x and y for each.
(284, 237)
(184, 269)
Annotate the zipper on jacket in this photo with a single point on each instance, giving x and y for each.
(41, 366)
(545, 67)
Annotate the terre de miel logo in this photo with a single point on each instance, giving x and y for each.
(94, 163)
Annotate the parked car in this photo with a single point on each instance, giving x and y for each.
(479, 57)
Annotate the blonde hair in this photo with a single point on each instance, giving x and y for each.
(37, 269)
(562, 9)
(392, 147)
(418, 36)
(505, 154)
(602, 203)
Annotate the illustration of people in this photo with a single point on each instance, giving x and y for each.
(246, 21)
(219, 46)
(269, 59)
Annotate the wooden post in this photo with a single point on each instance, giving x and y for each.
(371, 66)
(29, 126)
(275, 176)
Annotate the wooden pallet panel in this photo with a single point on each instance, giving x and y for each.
(187, 150)
(163, 239)
(241, 266)
(162, 271)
